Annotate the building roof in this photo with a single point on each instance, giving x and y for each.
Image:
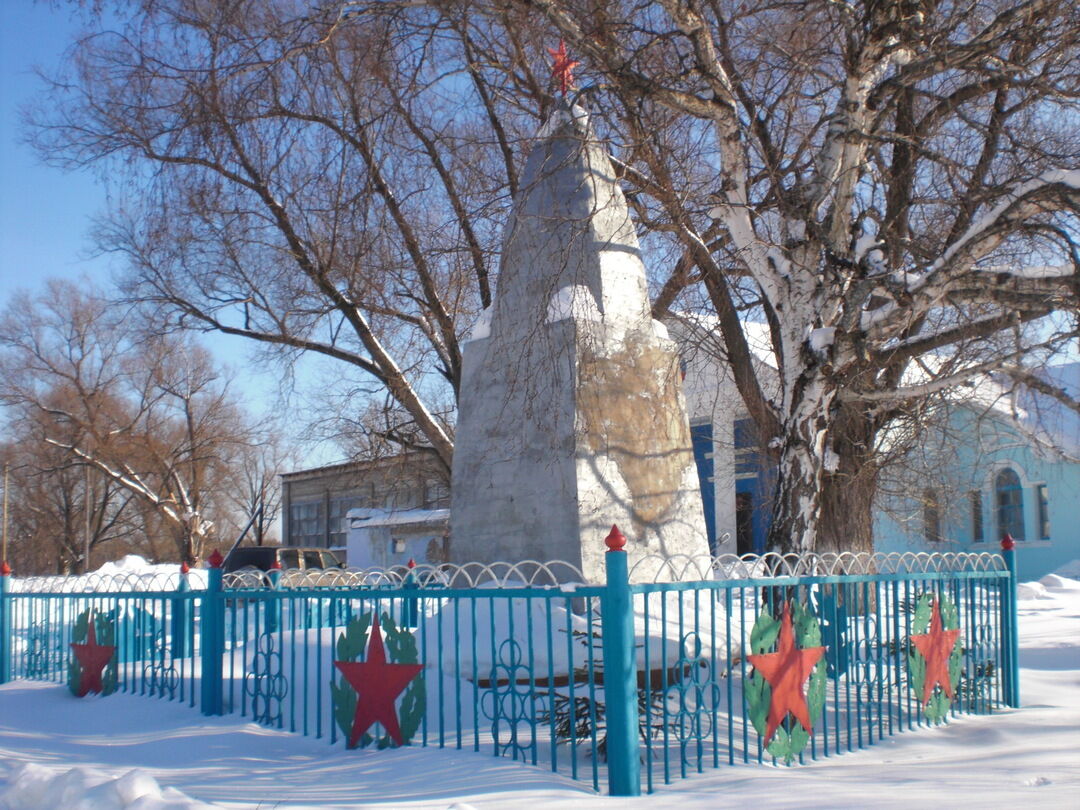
(360, 465)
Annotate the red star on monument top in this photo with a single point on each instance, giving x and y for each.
(92, 658)
(787, 670)
(377, 686)
(936, 645)
(562, 69)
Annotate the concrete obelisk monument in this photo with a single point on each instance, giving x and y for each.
(571, 415)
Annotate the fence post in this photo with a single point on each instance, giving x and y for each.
(1010, 625)
(620, 672)
(273, 604)
(5, 623)
(409, 609)
(212, 628)
(180, 616)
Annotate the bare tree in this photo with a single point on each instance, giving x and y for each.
(895, 186)
(890, 186)
(61, 515)
(148, 414)
(253, 486)
(313, 184)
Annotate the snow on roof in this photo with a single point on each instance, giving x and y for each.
(370, 518)
(134, 564)
(1067, 376)
(758, 337)
(1049, 418)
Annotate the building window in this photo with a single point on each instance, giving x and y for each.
(931, 516)
(436, 495)
(339, 524)
(402, 496)
(1043, 498)
(305, 524)
(701, 438)
(978, 534)
(756, 475)
(1010, 504)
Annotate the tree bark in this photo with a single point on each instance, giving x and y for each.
(847, 494)
(803, 459)
(827, 477)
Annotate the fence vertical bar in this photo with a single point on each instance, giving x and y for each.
(180, 615)
(1010, 625)
(5, 622)
(620, 672)
(273, 602)
(212, 621)
(409, 613)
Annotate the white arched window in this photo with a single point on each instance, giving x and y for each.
(1009, 498)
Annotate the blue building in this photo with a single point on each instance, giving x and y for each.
(995, 466)
(997, 469)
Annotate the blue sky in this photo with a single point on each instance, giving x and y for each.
(46, 214)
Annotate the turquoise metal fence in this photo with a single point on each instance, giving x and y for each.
(668, 668)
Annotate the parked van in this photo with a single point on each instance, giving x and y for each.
(288, 557)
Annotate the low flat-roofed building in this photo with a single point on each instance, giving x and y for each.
(315, 503)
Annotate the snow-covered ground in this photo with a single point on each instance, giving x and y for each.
(131, 753)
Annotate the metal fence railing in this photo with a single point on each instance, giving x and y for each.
(631, 683)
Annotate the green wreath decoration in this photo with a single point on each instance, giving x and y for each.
(105, 633)
(790, 737)
(939, 704)
(401, 649)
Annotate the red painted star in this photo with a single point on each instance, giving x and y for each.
(787, 670)
(92, 658)
(377, 686)
(936, 645)
(562, 69)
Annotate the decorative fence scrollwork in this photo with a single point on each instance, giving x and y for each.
(265, 682)
(524, 660)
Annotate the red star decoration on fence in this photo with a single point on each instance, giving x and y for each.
(92, 658)
(787, 670)
(562, 69)
(936, 645)
(377, 686)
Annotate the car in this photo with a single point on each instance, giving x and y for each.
(262, 558)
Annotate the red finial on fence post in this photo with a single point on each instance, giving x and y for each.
(1007, 542)
(275, 565)
(184, 567)
(615, 540)
(215, 560)
(411, 563)
(5, 569)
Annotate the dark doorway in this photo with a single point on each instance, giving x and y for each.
(744, 522)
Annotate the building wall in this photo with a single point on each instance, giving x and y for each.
(315, 503)
(715, 408)
(970, 454)
(967, 460)
(392, 540)
(968, 499)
